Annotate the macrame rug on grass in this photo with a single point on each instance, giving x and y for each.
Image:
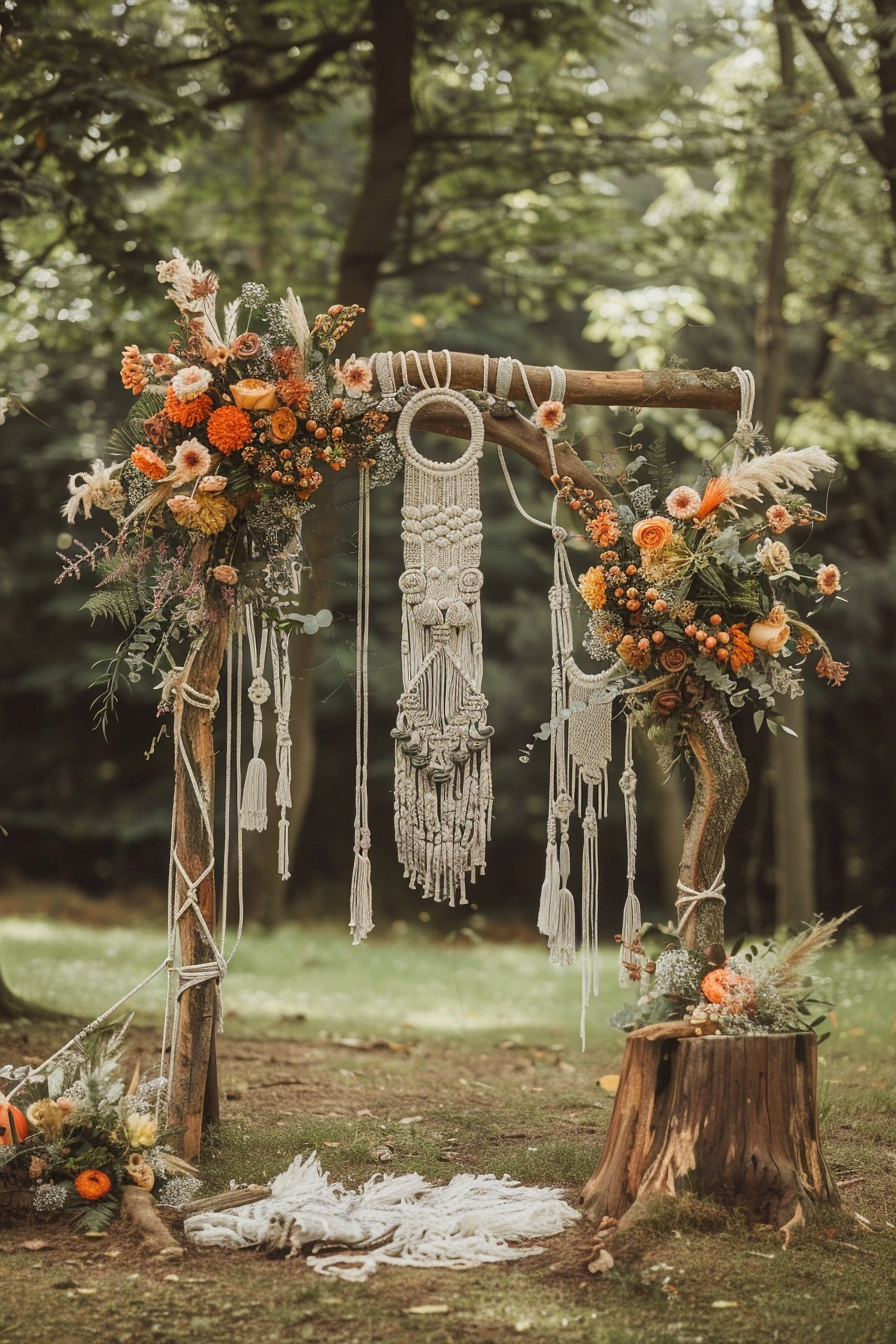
(390, 1220)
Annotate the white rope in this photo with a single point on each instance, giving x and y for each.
(361, 901)
(690, 898)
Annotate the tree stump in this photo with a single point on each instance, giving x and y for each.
(728, 1117)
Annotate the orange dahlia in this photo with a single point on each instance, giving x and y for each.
(737, 992)
(229, 429)
(187, 413)
(295, 392)
(92, 1184)
(149, 462)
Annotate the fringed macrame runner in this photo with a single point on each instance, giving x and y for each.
(391, 1221)
(443, 786)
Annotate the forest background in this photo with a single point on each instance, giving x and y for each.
(583, 182)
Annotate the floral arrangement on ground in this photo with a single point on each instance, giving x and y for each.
(766, 989)
(697, 597)
(221, 454)
(81, 1134)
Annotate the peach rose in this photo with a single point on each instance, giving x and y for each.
(254, 394)
(225, 574)
(827, 580)
(768, 636)
(652, 534)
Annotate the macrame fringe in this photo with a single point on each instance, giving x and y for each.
(255, 796)
(631, 958)
(254, 815)
(549, 906)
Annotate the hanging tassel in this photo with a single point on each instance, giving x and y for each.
(630, 959)
(590, 968)
(283, 703)
(549, 906)
(255, 797)
(563, 945)
(361, 896)
(254, 814)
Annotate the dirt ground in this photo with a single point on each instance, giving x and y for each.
(697, 1275)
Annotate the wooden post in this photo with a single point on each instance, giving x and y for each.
(194, 1092)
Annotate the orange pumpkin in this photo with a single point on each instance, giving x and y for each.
(13, 1125)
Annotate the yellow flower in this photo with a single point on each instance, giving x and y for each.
(142, 1130)
(46, 1116)
(593, 587)
(213, 513)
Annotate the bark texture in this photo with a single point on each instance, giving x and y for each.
(720, 786)
(731, 1117)
(194, 1094)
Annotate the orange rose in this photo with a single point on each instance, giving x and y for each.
(652, 534)
(254, 394)
(283, 425)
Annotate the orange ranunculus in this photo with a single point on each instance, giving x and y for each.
(187, 413)
(92, 1184)
(283, 425)
(254, 394)
(229, 429)
(737, 992)
(296, 392)
(133, 374)
(145, 460)
(718, 489)
(652, 534)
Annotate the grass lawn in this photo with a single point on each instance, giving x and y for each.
(460, 1056)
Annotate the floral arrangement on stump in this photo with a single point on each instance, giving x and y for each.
(81, 1134)
(227, 442)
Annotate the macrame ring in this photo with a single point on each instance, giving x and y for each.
(457, 399)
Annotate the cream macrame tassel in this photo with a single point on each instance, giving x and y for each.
(254, 816)
(629, 957)
(361, 906)
(282, 704)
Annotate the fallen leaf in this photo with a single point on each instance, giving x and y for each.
(411, 1120)
(722, 1305)
(35, 1245)
(86, 1292)
(790, 1227)
(601, 1263)
(855, 1031)
(610, 1083)
(430, 1309)
(383, 1152)
(171, 1278)
(522, 1326)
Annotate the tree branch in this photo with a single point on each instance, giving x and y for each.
(329, 46)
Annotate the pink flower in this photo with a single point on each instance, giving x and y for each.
(211, 485)
(182, 506)
(549, 416)
(683, 502)
(827, 579)
(779, 518)
(355, 375)
(192, 459)
(245, 346)
(225, 574)
(190, 382)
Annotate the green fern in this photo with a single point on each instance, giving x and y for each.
(95, 1217)
(658, 468)
(126, 436)
(117, 601)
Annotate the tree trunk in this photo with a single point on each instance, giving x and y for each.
(12, 1007)
(371, 229)
(194, 1093)
(727, 1117)
(789, 757)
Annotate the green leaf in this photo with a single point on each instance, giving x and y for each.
(758, 718)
